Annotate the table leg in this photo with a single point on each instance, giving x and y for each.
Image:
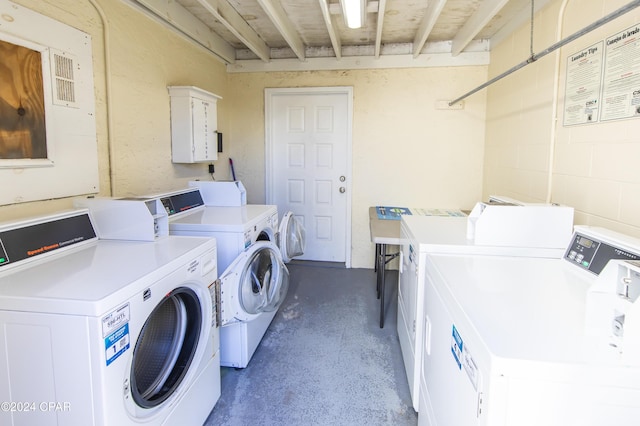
(375, 260)
(381, 278)
(376, 268)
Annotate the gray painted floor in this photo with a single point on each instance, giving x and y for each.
(324, 360)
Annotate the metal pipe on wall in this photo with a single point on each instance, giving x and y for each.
(534, 57)
(554, 105)
(107, 83)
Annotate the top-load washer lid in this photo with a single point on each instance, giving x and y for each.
(291, 237)
(256, 282)
(535, 309)
(448, 235)
(220, 219)
(524, 308)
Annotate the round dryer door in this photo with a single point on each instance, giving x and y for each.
(291, 237)
(256, 282)
(165, 348)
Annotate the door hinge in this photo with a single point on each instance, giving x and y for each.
(217, 303)
(480, 400)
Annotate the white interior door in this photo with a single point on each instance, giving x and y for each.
(308, 143)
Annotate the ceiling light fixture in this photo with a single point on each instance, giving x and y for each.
(354, 12)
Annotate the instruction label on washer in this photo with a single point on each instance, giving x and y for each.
(115, 331)
(116, 343)
(463, 357)
(456, 346)
(470, 366)
(115, 319)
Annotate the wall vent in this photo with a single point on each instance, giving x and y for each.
(62, 68)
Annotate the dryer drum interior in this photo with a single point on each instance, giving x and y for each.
(263, 236)
(166, 347)
(264, 282)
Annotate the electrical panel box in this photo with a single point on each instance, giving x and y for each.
(194, 125)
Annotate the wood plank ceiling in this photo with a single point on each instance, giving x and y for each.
(312, 34)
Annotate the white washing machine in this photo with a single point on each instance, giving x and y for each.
(291, 234)
(254, 280)
(534, 341)
(103, 332)
(423, 235)
(235, 228)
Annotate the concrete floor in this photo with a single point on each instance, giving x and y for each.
(324, 360)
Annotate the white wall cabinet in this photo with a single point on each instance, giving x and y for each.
(194, 125)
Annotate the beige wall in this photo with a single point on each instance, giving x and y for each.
(405, 151)
(594, 167)
(144, 59)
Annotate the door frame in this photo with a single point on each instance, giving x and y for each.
(269, 94)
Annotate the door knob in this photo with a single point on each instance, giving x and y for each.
(342, 178)
(342, 189)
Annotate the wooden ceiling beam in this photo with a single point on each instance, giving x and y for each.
(434, 9)
(234, 22)
(328, 21)
(180, 19)
(382, 6)
(487, 10)
(283, 24)
(426, 60)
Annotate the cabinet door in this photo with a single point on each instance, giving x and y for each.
(204, 126)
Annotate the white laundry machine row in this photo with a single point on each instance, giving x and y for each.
(517, 233)
(254, 278)
(291, 235)
(534, 341)
(105, 332)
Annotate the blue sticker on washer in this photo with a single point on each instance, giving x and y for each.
(456, 346)
(116, 343)
(247, 239)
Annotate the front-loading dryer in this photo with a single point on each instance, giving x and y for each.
(103, 332)
(290, 237)
(252, 289)
(234, 227)
(240, 232)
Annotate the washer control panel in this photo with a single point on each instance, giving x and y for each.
(592, 254)
(182, 202)
(23, 242)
